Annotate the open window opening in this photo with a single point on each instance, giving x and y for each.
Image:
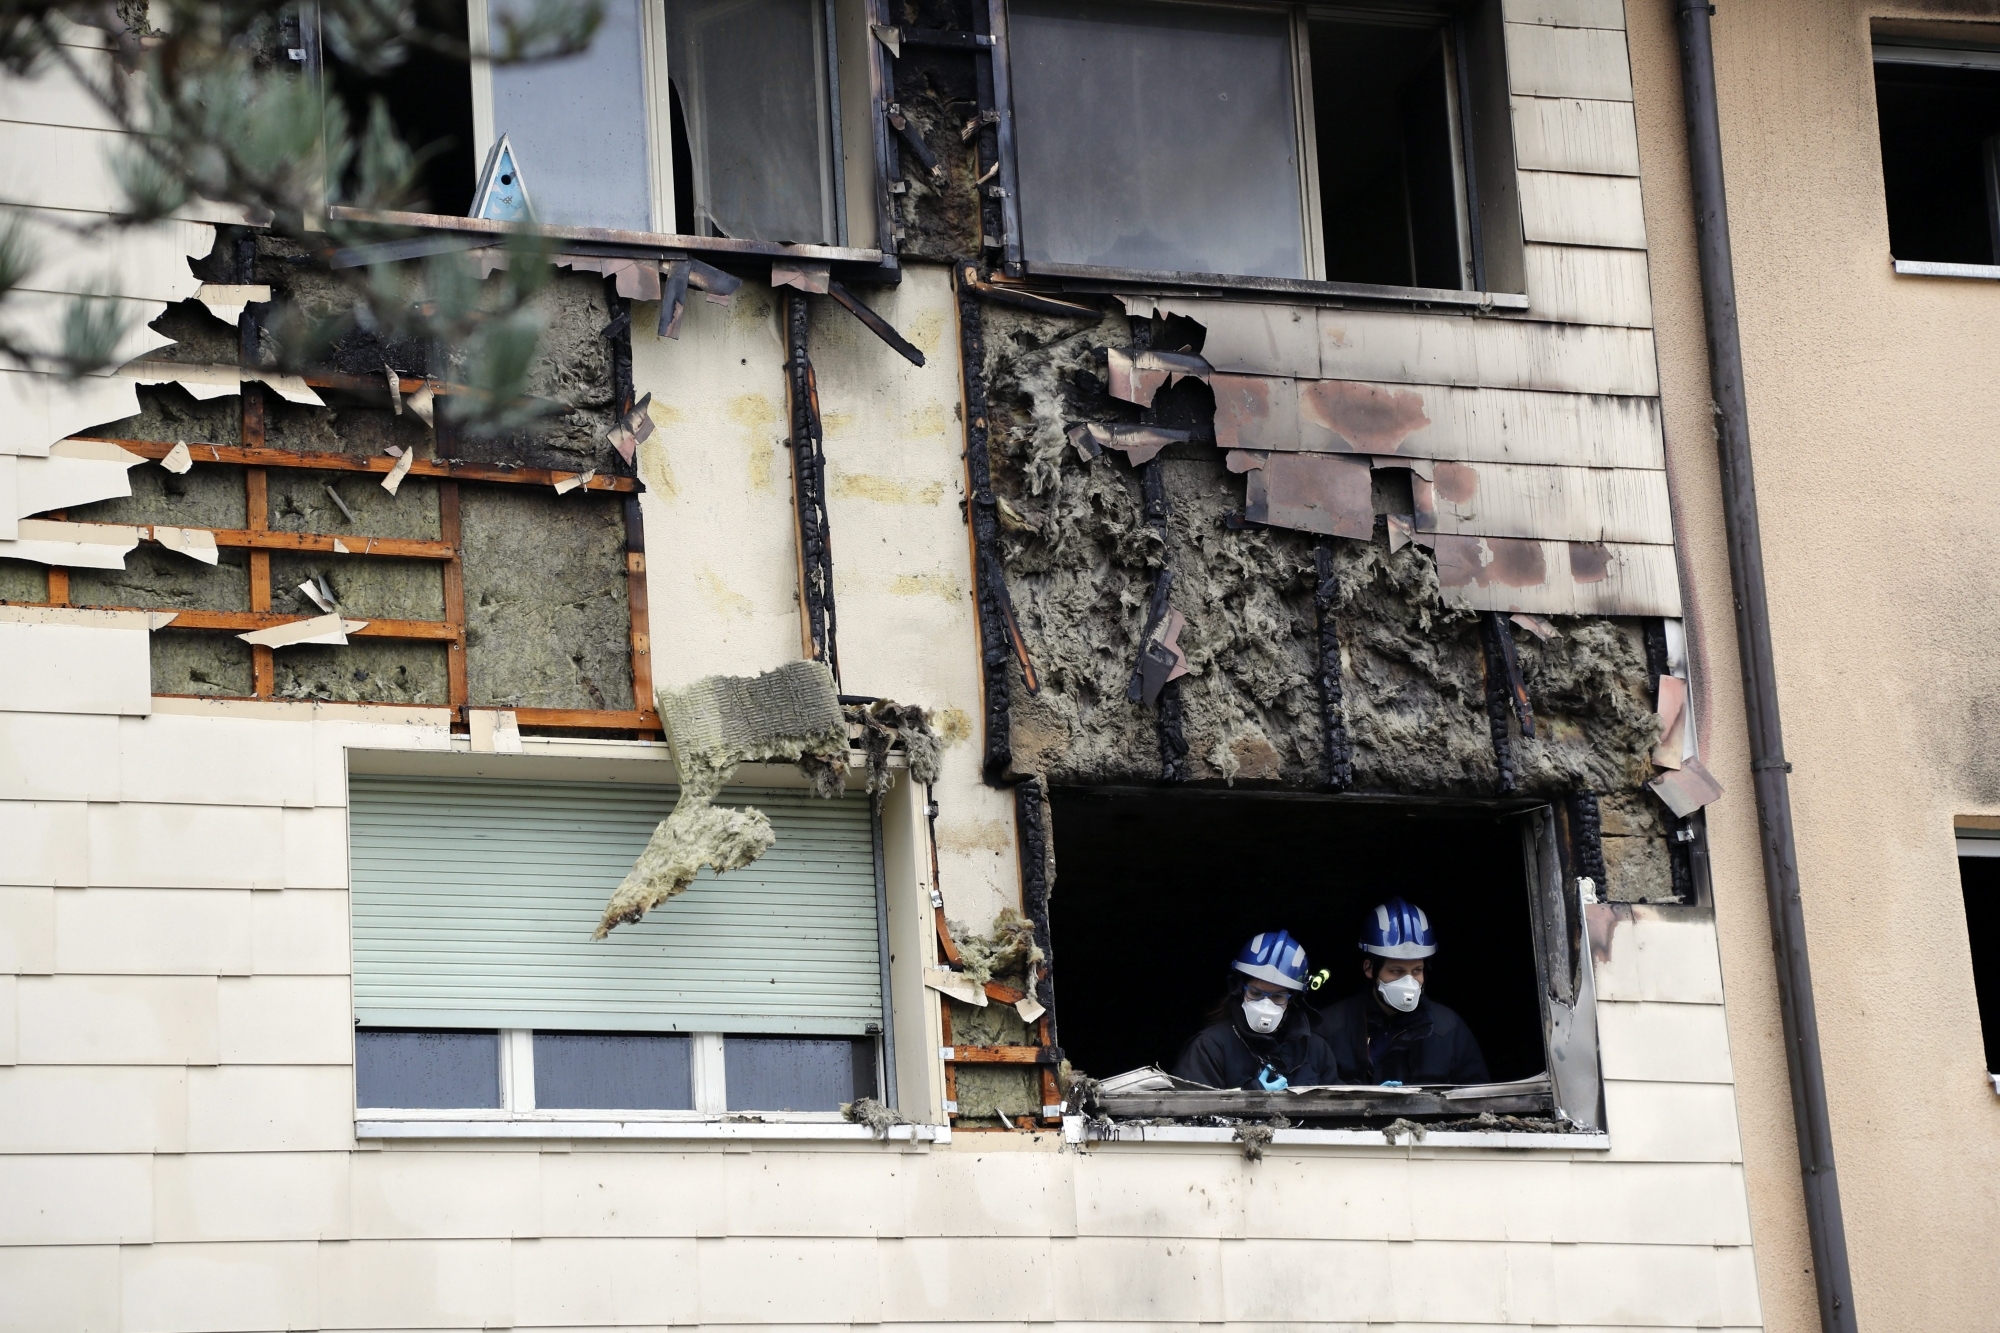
(1939, 114)
(1348, 145)
(696, 117)
(1979, 877)
(428, 98)
(480, 995)
(1160, 890)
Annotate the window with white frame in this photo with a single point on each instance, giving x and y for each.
(1358, 145)
(479, 993)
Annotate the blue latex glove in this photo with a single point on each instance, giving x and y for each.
(1270, 1080)
(1392, 1083)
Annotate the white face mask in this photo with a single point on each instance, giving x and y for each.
(1401, 994)
(1263, 1015)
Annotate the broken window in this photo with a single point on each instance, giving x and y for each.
(1939, 113)
(1160, 890)
(1276, 142)
(1979, 877)
(477, 983)
(697, 117)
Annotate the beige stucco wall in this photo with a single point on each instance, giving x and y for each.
(1873, 406)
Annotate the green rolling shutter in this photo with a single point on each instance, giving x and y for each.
(474, 900)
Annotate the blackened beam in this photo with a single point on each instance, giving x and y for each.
(877, 325)
(1498, 704)
(945, 41)
(1587, 838)
(809, 487)
(989, 580)
(899, 121)
(1510, 660)
(1031, 826)
(1336, 760)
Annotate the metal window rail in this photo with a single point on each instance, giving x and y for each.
(261, 540)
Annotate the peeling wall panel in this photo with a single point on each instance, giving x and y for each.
(1575, 134)
(1568, 208)
(37, 410)
(1558, 578)
(1551, 503)
(1568, 62)
(1492, 353)
(1253, 338)
(1582, 285)
(42, 484)
(1438, 421)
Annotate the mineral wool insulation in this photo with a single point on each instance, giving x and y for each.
(792, 713)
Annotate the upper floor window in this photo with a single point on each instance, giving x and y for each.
(698, 117)
(1277, 142)
(1939, 113)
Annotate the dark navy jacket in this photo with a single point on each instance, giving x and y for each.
(1430, 1044)
(1229, 1054)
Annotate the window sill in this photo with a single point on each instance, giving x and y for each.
(653, 242)
(1078, 1130)
(372, 1124)
(1934, 268)
(1079, 277)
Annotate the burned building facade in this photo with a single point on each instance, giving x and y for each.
(1217, 456)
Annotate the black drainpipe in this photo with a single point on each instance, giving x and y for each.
(1760, 682)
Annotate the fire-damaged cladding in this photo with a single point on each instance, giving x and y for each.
(336, 534)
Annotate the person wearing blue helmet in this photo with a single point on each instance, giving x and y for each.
(1261, 1033)
(1392, 1032)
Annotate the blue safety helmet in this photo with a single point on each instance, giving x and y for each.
(1274, 956)
(1397, 929)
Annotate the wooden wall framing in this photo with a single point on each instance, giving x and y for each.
(261, 540)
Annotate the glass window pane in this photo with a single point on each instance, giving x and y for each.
(1157, 137)
(613, 1071)
(797, 1073)
(749, 82)
(578, 125)
(409, 1070)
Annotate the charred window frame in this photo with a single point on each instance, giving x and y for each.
(1557, 854)
(1464, 239)
(1937, 102)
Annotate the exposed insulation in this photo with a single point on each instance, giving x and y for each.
(546, 609)
(207, 495)
(23, 581)
(299, 503)
(984, 1090)
(364, 671)
(169, 412)
(208, 662)
(713, 725)
(1083, 563)
(155, 576)
(366, 589)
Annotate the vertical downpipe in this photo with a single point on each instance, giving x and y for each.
(1768, 768)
